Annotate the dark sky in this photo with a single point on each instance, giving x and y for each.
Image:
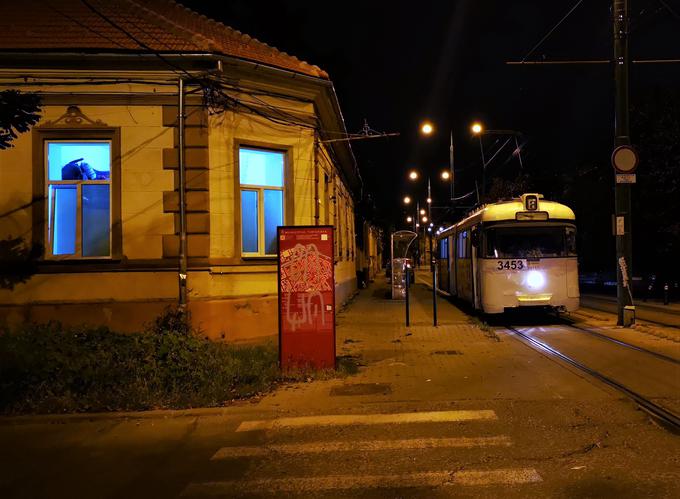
(397, 63)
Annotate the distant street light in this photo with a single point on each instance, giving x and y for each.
(409, 219)
(424, 219)
(413, 175)
(422, 212)
(407, 200)
(429, 200)
(476, 128)
(426, 128)
(445, 175)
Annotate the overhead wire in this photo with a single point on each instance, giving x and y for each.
(547, 35)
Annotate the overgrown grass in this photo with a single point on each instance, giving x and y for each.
(49, 368)
(488, 331)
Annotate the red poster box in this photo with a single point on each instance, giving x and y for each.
(306, 297)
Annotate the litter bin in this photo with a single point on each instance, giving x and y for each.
(628, 315)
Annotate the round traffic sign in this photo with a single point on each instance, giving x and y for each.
(625, 159)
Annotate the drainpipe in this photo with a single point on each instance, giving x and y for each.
(182, 202)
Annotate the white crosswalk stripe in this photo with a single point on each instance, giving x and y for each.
(367, 419)
(359, 446)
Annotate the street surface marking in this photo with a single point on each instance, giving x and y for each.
(347, 482)
(366, 419)
(365, 445)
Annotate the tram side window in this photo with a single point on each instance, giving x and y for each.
(570, 236)
(444, 248)
(463, 244)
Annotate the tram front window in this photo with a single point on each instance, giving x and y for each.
(529, 242)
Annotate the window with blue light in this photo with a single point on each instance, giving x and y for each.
(261, 175)
(79, 198)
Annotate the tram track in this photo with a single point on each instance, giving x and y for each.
(622, 343)
(663, 416)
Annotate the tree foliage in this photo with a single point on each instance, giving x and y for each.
(18, 113)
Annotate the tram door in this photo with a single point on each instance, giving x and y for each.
(464, 265)
(452, 265)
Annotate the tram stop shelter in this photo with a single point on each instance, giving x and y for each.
(400, 243)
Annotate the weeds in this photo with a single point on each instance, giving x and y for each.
(488, 331)
(48, 368)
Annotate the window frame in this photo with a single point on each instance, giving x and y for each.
(41, 184)
(286, 190)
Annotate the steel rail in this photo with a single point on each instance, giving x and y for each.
(658, 355)
(661, 414)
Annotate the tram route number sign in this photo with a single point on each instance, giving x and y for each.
(306, 283)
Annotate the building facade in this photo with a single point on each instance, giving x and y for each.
(95, 185)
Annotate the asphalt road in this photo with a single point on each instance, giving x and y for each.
(453, 411)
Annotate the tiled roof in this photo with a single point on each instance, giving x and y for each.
(131, 26)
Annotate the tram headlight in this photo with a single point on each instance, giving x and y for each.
(535, 279)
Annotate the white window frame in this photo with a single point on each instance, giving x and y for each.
(50, 207)
(261, 243)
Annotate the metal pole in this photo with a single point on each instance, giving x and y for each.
(434, 295)
(429, 221)
(182, 202)
(408, 318)
(624, 249)
(451, 166)
(415, 229)
(481, 149)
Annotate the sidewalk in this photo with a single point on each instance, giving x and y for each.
(657, 305)
(455, 363)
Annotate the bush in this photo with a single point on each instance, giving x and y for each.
(51, 368)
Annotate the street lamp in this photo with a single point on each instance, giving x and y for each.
(424, 220)
(409, 219)
(422, 212)
(407, 200)
(413, 175)
(445, 175)
(477, 128)
(427, 128)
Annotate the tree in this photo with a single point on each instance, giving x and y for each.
(18, 113)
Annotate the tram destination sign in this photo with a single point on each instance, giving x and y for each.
(306, 283)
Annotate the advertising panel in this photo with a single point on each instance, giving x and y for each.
(306, 297)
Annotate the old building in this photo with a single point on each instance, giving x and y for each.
(96, 184)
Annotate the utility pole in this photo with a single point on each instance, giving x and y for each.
(624, 241)
(452, 176)
(182, 200)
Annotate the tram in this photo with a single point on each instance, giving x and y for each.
(513, 253)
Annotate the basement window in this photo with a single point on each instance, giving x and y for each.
(261, 175)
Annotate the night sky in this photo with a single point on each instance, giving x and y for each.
(398, 63)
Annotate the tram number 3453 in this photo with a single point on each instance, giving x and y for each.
(510, 265)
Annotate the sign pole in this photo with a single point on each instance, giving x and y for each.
(434, 294)
(408, 317)
(624, 246)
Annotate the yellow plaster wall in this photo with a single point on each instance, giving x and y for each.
(143, 179)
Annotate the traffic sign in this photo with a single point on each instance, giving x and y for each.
(625, 160)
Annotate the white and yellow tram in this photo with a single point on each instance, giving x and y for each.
(515, 253)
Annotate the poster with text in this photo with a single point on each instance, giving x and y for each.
(306, 297)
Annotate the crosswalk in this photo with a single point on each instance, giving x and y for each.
(381, 472)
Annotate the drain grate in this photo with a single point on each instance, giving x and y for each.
(362, 389)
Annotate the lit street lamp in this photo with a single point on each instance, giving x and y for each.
(407, 200)
(427, 128)
(413, 175)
